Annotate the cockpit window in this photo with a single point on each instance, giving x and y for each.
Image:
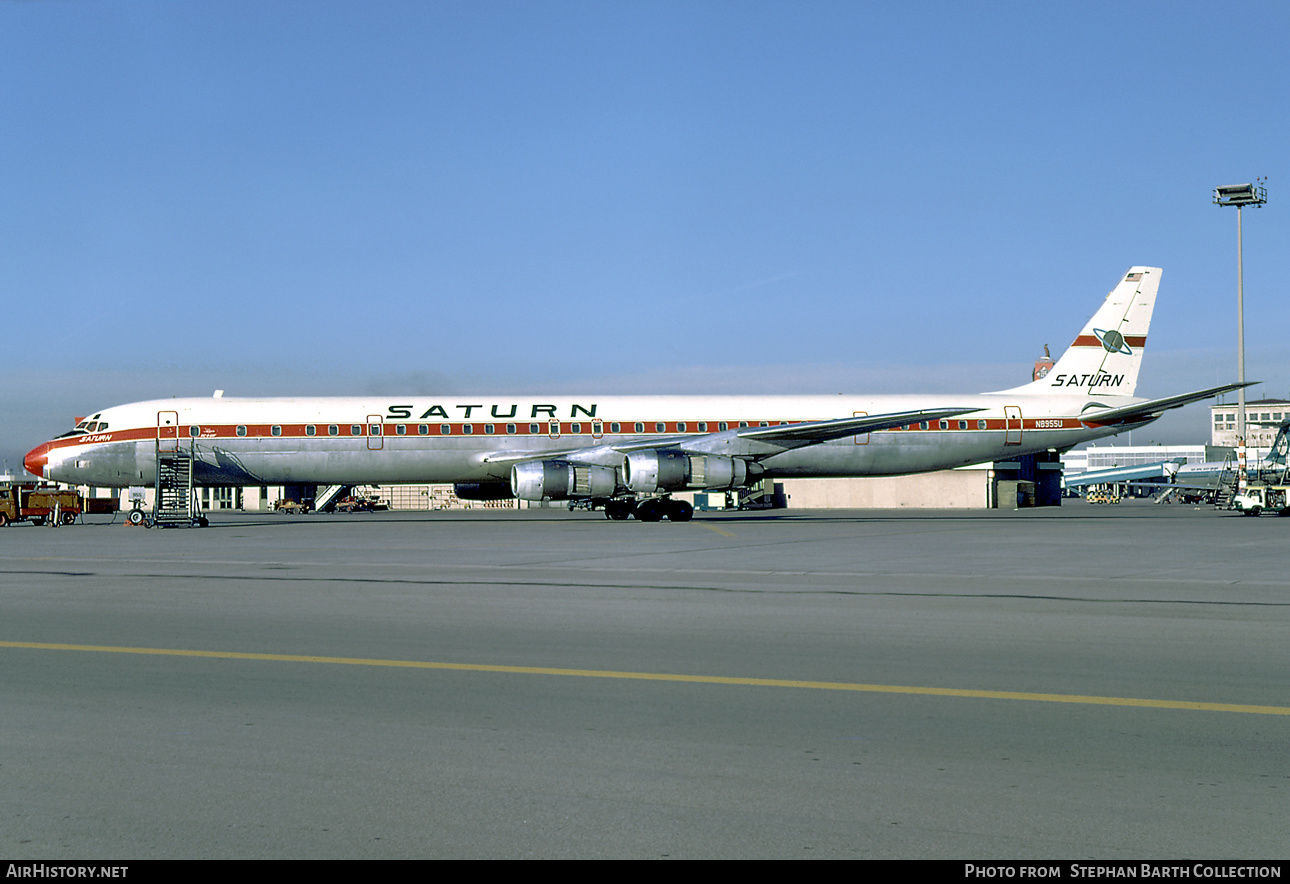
(88, 425)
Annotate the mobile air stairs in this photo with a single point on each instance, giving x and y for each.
(325, 498)
(1265, 473)
(1227, 485)
(175, 503)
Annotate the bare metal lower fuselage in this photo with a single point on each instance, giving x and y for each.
(343, 441)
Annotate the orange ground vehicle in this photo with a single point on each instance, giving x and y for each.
(356, 503)
(22, 501)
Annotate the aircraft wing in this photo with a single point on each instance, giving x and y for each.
(774, 439)
(822, 431)
(1128, 414)
(1181, 487)
(783, 437)
(519, 456)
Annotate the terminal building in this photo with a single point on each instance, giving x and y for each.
(1262, 417)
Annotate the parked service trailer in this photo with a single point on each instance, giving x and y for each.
(28, 501)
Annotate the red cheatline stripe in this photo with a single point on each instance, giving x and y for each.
(522, 428)
(1092, 341)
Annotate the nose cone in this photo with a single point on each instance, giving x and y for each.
(36, 460)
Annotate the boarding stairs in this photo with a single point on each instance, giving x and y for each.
(1228, 481)
(328, 496)
(758, 496)
(174, 503)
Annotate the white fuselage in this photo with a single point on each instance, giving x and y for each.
(477, 438)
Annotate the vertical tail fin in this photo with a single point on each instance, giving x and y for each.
(1280, 445)
(1107, 354)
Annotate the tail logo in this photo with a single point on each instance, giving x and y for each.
(1113, 342)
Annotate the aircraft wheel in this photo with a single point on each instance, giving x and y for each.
(618, 509)
(69, 518)
(650, 511)
(679, 511)
(135, 517)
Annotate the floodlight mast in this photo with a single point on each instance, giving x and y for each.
(1240, 195)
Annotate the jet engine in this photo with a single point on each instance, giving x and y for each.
(652, 471)
(561, 480)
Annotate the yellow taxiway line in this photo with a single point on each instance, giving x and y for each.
(670, 677)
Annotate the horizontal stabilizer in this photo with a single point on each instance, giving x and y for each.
(1141, 411)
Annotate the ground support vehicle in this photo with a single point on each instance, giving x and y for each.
(41, 504)
(356, 503)
(1260, 498)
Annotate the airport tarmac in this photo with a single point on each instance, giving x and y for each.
(1068, 683)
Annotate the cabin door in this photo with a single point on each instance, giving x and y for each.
(167, 431)
(862, 439)
(1012, 425)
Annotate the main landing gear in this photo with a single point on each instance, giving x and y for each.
(653, 509)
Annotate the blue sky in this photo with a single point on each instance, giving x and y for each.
(418, 197)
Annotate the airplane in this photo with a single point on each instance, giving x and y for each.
(1208, 473)
(627, 454)
(1205, 478)
(1190, 482)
